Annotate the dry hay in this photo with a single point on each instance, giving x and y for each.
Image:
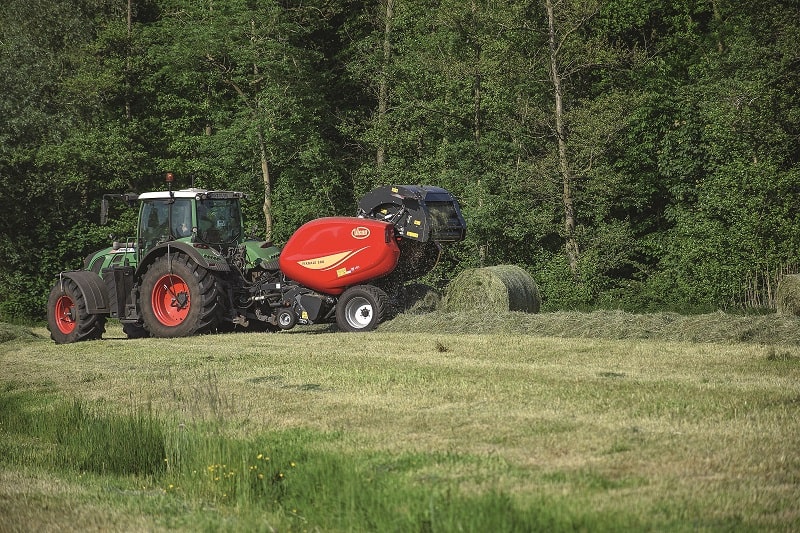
(420, 298)
(9, 332)
(495, 288)
(787, 297)
(719, 327)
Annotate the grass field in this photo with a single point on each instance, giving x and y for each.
(562, 421)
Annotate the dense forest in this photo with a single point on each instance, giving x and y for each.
(636, 154)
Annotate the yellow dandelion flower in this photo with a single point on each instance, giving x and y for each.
(260, 456)
(293, 464)
(261, 476)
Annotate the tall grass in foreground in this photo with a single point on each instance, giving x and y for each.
(291, 480)
(284, 479)
(71, 435)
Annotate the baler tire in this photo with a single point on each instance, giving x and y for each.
(361, 308)
(179, 298)
(286, 319)
(67, 317)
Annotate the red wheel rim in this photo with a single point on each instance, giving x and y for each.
(65, 314)
(170, 300)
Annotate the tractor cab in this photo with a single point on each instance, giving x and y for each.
(213, 218)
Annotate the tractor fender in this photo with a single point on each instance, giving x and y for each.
(205, 257)
(93, 289)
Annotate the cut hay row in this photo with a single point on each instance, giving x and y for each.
(719, 327)
(9, 332)
(495, 289)
(712, 327)
(420, 298)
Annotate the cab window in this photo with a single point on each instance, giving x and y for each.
(154, 223)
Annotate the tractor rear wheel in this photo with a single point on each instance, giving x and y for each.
(179, 298)
(67, 317)
(360, 308)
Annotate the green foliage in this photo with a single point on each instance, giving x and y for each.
(682, 121)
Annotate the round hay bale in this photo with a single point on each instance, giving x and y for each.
(787, 297)
(495, 288)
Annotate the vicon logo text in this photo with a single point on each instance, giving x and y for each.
(360, 232)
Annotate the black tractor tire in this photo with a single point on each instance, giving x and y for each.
(67, 317)
(135, 331)
(179, 298)
(361, 308)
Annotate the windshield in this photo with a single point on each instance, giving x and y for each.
(162, 220)
(219, 221)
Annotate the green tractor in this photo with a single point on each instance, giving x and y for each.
(185, 240)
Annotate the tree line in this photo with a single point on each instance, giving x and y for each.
(633, 154)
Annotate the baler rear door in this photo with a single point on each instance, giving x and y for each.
(418, 212)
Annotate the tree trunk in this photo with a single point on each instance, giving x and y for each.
(267, 207)
(129, 36)
(383, 83)
(262, 147)
(571, 243)
(717, 23)
(476, 88)
(262, 150)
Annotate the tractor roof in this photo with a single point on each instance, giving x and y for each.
(190, 193)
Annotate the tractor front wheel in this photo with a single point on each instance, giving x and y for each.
(179, 298)
(360, 308)
(67, 317)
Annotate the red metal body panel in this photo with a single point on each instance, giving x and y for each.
(331, 254)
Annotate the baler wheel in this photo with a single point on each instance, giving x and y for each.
(179, 298)
(67, 317)
(361, 308)
(287, 319)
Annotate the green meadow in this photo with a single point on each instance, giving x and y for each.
(553, 422)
